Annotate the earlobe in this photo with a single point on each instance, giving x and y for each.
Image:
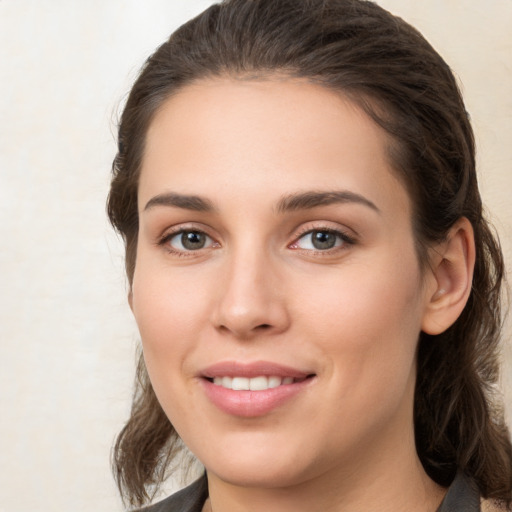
(452, 269)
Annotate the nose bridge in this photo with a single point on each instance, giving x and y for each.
(250, 299)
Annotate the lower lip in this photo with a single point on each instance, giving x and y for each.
(249, 404)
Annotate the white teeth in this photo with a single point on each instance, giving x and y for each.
(273, 382)
(254, 384)
(240, 384)
(258, 383)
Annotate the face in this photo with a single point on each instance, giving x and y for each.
(277, 289)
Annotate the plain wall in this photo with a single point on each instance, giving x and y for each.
(67, 340)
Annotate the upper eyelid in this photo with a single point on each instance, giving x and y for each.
(305, 231)
(335, 227)
(170, 231)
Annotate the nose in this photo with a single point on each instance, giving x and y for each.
(252, 298)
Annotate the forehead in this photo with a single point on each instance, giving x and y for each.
(226, 134)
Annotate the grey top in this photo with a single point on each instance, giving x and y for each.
(462, 496)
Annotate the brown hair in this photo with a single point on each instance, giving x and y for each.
(387, 67)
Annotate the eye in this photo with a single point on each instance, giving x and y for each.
(321, 240)
(188, 240)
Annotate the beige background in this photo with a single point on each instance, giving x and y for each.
(66, 336)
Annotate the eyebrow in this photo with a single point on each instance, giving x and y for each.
(313, 199)
(187, 202)
(293, 202)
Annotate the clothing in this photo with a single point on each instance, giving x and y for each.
(462, 496)
(189, 499)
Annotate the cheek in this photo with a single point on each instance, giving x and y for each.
(170, 310)
(368, 320)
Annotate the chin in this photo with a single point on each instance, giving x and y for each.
(261, 475)
(273, 465)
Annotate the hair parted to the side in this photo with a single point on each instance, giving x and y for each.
(388, 69)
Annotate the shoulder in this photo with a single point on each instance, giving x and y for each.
(189, 499)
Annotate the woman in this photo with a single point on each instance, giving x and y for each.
(317, 291)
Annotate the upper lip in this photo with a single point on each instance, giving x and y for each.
(252, 369)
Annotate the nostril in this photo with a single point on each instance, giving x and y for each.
(264, 327)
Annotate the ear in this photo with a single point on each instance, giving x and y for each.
(451, 266)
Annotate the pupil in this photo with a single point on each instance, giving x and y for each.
(193, 240)
(323, 240)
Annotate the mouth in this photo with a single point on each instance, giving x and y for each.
(253, 389)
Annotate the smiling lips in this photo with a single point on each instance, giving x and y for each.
(250, 390)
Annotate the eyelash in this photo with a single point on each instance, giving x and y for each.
(346, 240)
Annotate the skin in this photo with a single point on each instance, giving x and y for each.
(259, 290)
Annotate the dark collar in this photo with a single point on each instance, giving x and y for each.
(462, 496)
